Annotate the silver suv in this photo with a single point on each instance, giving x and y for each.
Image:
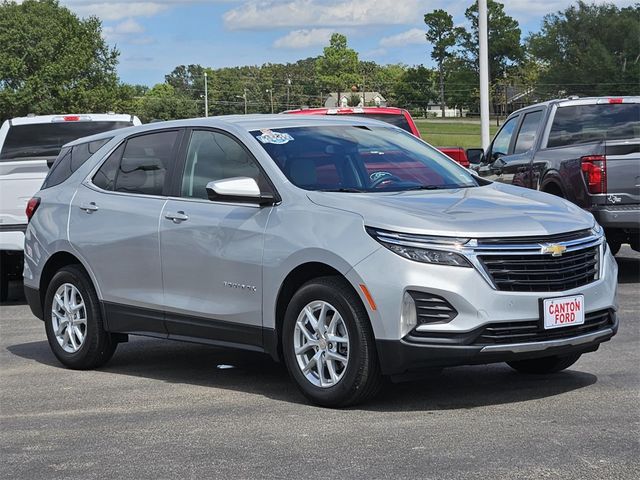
(346, 247)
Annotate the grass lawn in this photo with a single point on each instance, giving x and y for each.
(442, 133)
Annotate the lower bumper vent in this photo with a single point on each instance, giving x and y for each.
(432, 308)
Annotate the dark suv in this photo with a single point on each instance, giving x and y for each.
(586, 150)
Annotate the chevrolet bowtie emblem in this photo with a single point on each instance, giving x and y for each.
(554, 250)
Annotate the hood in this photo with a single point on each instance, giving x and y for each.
(490, 211)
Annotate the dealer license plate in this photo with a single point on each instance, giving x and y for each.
(563, 311)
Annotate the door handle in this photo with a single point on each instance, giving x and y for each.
(177, 217)
(89, 207)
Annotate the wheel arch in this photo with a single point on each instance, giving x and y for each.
(297, 277)
(552, 184)
(54, 263)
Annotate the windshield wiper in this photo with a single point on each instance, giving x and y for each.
(437, 187)
(343, 189)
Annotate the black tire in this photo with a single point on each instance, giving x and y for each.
(98, 345)
(361, 379)
(614, 245)
(545, 365)
(4, 284)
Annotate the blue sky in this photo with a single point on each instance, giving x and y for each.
(155, 36)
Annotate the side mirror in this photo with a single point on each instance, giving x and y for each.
(238, 189)
(475, 155)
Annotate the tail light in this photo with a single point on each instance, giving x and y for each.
(32, 206)
(594, 168)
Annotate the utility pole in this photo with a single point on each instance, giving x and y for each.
(206, 96)
(484, 73)
(288, 85)
(270, 90)
(245, 101)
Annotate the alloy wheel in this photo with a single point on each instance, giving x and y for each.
(69, 318)
(321, 344)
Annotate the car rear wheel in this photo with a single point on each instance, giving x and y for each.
(328, 344)
(545, 364)
(73, 321)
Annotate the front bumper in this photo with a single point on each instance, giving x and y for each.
(412, 354)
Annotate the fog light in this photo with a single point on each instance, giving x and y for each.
(408, 318)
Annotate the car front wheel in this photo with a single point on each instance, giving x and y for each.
(328, 344)
(73, 321)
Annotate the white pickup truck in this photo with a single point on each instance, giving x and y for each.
(28, 147)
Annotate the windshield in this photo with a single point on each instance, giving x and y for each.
(360, 159)
(45, 139)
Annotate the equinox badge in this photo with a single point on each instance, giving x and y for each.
(554, 250)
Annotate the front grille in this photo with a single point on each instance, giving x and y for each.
(532, 331)
(542, 273)
(432, 308)
(559, 237)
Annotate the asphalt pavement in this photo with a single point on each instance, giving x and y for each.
(165, 409)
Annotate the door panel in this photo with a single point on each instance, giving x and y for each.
(212, 264)
(117, 235)
(212, 251)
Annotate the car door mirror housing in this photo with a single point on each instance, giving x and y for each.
(238, 189)
(475, 155)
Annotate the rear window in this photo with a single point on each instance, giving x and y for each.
(45, 139)
(591, 123)
(397, 120)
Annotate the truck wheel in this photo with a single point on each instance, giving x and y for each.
(73, 321)
(545, 364)
(4, 284)
(328, 344)
(614, 245)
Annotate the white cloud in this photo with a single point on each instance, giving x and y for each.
(128, 27)
(304, 38)
(272, 14)
(127, 31)
(410, 37)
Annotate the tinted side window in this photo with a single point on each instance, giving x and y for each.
(591, 123)
(105, 178)
(60, 170)
(215, 156)
(503, 138)
(81, 153)
(527, 133)
(144, 163)
(69, 160)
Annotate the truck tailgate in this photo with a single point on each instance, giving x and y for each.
(623, 171)
(19, 181)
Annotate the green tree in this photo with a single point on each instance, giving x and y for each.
(461, 82)
(337, 68)
(162, 102)
(52, 61)
(505, 49)
(590, 49)
(417, 89)
(443, 36)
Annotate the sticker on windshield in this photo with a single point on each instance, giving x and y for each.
(277, 138)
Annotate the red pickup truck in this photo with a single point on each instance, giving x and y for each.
(395, 116)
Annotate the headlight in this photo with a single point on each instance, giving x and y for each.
(597, 230)
(416, 247)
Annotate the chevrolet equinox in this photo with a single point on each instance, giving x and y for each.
(346, 247)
